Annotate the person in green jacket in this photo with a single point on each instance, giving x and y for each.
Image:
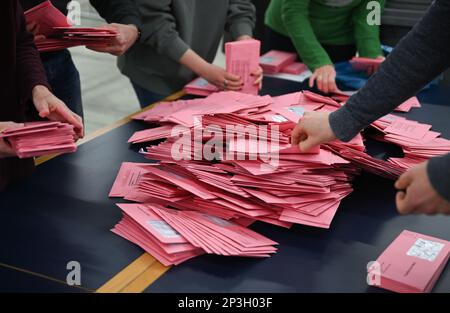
(323, 32)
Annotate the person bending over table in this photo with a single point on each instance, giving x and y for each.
(418, 58)
(179, 41)
(322, 32)
(24, 89)
(62, 74)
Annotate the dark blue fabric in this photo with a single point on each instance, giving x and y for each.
(146, 97)
(64, 79)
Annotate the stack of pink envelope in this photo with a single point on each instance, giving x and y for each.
(274, 61)
(174, 236)
(242, 59)
(366, 64)
(47, 17)
(66, 37)
(411, 264)
(41, 138)
(418, 141)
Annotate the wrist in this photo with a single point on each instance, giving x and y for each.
(136, 31)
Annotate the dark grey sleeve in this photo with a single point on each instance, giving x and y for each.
(418, 58)
(439, 173)
(160, 28)
(241, 18)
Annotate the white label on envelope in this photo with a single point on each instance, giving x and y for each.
(279, 118)
(425, 249)
(164, 229)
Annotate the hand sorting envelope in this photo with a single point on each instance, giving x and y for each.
(60, 34)
(411, 264)
(41, 138)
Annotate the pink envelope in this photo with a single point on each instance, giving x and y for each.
(412, 262)
(274, 60)
(408, 129)
(242, 59)
(47, 17)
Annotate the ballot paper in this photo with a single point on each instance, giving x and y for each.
(274, 61)
(294, 68)
(41, 138)
(47, 17)
(412, 263)
(242, 59)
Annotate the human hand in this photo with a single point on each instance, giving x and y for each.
(325, 79)
(312, 130)
(416, 195)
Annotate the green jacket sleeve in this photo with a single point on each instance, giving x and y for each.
(367, 37)
(296, 21)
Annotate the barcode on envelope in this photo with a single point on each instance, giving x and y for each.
(164, 229)
(425, 249)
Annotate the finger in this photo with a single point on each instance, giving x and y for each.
(332, 84)
(319, 82)
(10, 125)
(312, 80)
(403, 203)
(404, 181)
(325, 85)
(258, 72)
(258, 80)
(232, 78)
(233, 88)
(233, 84)
(297, 134)
(42, 107)
(308, 143)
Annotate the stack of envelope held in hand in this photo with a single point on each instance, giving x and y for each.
(41, 138)
(66, 37)
(242, 59)
(58, 33)
(47, 17)
(174, 236)
(411, 264)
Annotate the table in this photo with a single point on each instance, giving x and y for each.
(62, 214)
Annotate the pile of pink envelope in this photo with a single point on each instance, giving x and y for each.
(275, 61)
(418, 141)
(174, 236)
(41, 138)
(58, 31)
(411, 264)
(255, 174)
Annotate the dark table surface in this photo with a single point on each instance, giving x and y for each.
(62, 214)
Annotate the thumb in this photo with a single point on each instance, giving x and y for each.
(42, 107)
(404, 181)
(307, 144)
